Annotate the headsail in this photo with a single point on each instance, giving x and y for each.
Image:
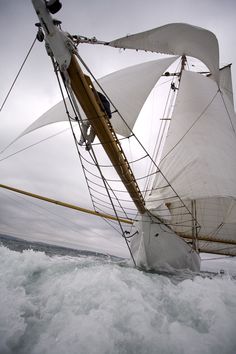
(128, 90)
(177, 39)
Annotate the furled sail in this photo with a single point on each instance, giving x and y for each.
(177, 39)
(198, 158)
(127, 89)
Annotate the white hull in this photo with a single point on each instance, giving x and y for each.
(155, 247)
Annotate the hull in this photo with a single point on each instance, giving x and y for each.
(156, 248)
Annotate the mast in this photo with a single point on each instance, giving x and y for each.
(194, 225)
(183, 63)
(85, 93)
(193, 202)
(61, 47)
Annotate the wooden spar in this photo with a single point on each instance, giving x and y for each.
(210, 239)
(107, 216)
(226, 251)
(229, 253)
(86, 95)
(194, 225)
(67, 205)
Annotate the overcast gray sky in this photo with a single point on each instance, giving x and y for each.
(51, 168)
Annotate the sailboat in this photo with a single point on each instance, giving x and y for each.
(179, 197)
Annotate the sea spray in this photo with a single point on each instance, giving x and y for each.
(88, 305)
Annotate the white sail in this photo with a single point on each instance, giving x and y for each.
(177, 39)
(201, 139)
(198, 159)
(128, 90)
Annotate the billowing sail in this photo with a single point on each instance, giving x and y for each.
(177, 39)
(127, 89)
(199, 159)
(200, 139)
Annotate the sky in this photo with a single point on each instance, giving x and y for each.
(51, 168)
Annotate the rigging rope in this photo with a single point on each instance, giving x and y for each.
(91, 152)
(22, 65)
(69, 223)
(95, 163)
(141, 145)
(76, 112)
(29, 146)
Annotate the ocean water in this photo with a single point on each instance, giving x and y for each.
(60, 302)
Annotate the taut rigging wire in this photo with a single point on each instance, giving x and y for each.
(22, 65)
(34, 144)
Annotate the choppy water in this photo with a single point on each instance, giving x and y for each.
(95, 305)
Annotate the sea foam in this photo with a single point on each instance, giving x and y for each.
(88, 305)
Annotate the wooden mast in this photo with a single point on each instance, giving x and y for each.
(87, 97)
(60, 46)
